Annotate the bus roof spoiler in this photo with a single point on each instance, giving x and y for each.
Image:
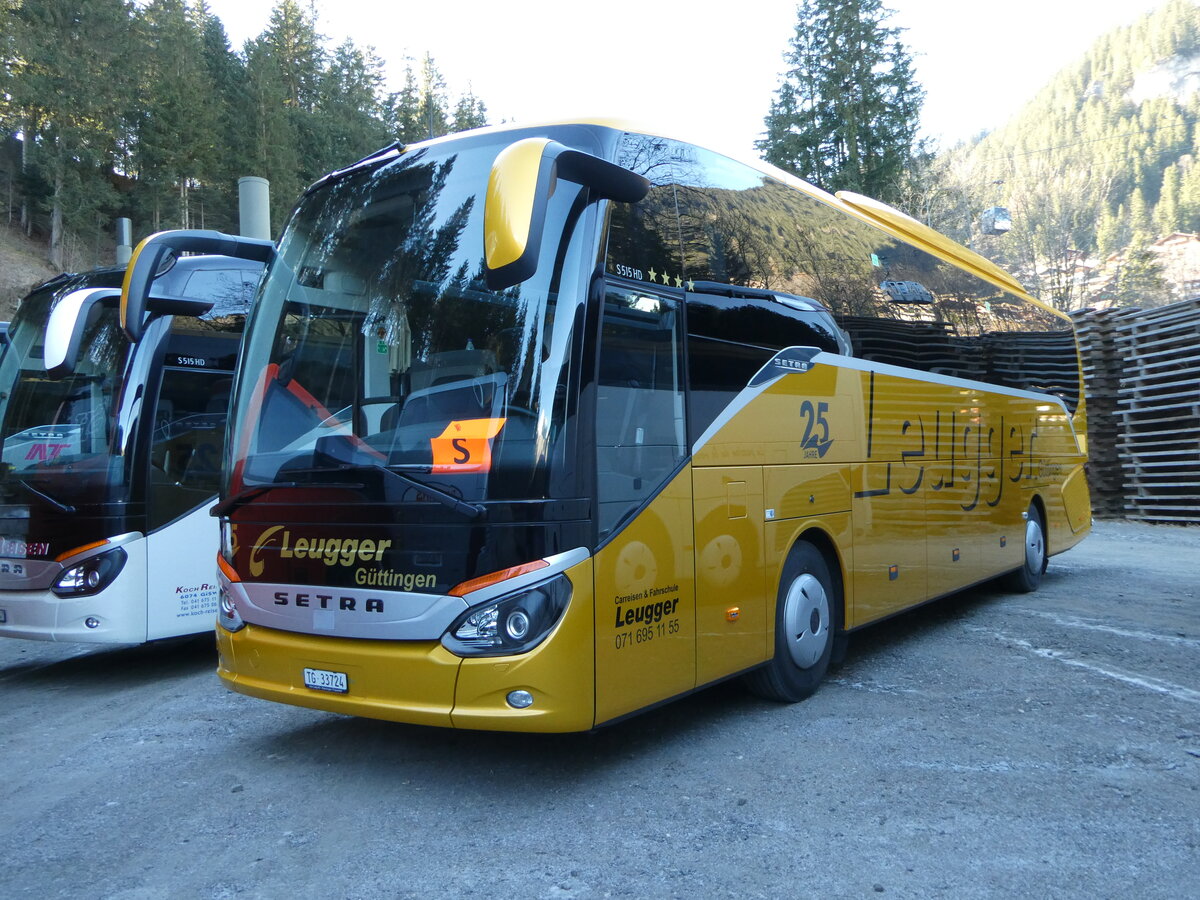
(519, 188)
(149, 255)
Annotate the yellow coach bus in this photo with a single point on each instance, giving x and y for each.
(535, 428)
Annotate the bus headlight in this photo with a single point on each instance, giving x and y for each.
(515, 623)
(228, 616)
(90, 576)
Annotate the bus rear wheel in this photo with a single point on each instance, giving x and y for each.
(808, 612)
(1027, 579)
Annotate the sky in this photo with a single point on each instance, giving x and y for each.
(706, 72)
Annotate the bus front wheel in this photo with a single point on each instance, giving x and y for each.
(808, 613)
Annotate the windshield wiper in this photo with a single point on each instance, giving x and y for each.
(61, 507)
(448, 500)
(229, 504)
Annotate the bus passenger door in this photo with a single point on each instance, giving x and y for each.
(184, 478)
(644, 591)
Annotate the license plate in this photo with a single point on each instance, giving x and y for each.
(324, 680)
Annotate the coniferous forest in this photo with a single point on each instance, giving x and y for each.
(111, 109)
(1098, 172)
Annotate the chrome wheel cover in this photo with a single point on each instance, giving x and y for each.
(1035, 545)
(806, 618)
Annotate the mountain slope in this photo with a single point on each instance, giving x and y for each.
(22, 266)
(1096, 167)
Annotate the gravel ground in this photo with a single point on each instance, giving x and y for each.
(1043, 745)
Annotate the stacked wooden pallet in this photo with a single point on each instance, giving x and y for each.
(1159, 408)
(1102, 368)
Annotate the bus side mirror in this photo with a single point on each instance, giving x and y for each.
(149, 255)
(65, 327)
(519, 188)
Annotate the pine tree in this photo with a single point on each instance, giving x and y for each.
(1166, 211)
(1112, 232)
(421, 109)
(148, 97)
(178, 121)
(234, 130)
(1139, 280)
(69, 90)
(292, 46)
(432, 114)
(296, 49)
(405, 108)
(846, 114)
(1140, 226)
(9, 56)
(469, 112)
(351, 111)
(1189, 194)
(274, 149)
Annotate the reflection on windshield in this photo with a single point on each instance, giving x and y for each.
(377, 343)
(58, 434)
(720, 222)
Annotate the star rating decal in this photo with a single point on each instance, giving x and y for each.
(668, 280)
(655, 277)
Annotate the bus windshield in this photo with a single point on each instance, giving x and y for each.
(59, 436)
(378, 346)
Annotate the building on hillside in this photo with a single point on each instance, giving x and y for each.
(1164, 271)
(1179, 256)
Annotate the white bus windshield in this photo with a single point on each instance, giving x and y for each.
(58, 435)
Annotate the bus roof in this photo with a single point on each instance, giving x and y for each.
(884, 217)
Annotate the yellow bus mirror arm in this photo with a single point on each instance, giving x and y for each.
(149, 255)
(519, 188)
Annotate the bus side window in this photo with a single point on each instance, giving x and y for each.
(640, 429)
(734, 331)
(718, 370)
(227, 288)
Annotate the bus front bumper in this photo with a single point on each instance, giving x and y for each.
(105, 618)
(416, 682)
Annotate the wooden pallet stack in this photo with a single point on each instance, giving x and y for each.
(1159, 408)
(1102, 368)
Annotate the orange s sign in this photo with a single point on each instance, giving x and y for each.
(465, 446)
